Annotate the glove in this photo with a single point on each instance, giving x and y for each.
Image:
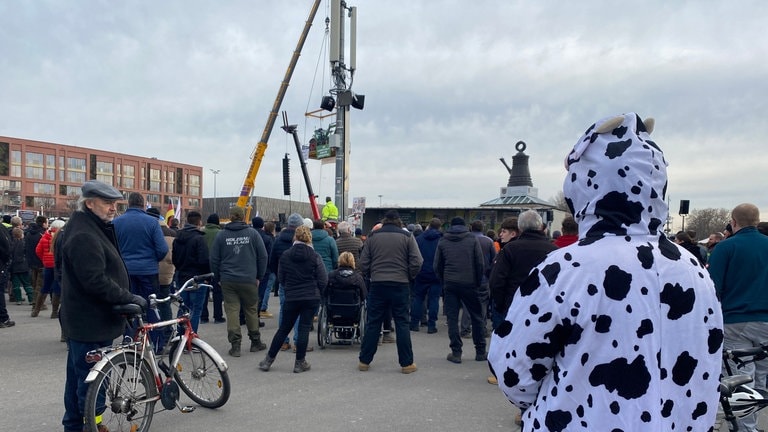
(139, 300)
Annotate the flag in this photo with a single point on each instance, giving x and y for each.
(178, 211)
(169, 214)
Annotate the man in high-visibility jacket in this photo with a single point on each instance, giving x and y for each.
(329, 210)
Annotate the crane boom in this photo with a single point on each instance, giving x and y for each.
(261, 148)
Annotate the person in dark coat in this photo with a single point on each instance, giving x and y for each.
(32, 237)
(460, 266)
(20, 268)
(190, 257)
(94, 279)
(283, 242)
(427, 286)
(265, 284)
(303, 275)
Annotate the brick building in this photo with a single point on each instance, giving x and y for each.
(46, 177)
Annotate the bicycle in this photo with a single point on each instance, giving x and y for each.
(128, 379)
(737, 399)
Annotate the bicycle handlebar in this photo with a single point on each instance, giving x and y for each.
(191, 284)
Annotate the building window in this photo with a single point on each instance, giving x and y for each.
(76, 164)
(154, 199)
(76, 177)
(154, 180)
(43, 188)
(194, 185)
(62, 173)
(34, 166)
(129, 176)
(170, 185)
(15, 163)
(105, 172)
(194, 202)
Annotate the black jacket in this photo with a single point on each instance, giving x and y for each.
(513, 264)
(282, 243)
(18, 257)
(31, 239)
(302, 273)
(269, 241)
(346, 278)
(190, 253)
(459, 258)
(93, 279)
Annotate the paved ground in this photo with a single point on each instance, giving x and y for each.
(333, 396)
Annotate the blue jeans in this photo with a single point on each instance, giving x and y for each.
(75, 388)
(384, 296)
(265, 289)
(50, 286)
(195, 300)
(301, 312)
(430, 290)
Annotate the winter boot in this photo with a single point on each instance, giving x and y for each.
(39, 302)
(55, 302)
(235, 350)
(266, 363)
(301, 366)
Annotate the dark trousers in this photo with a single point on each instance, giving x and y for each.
(218, 299)
(384, 297)
(455, 295)
(3, 310)
(431, 292)
(483, 295)
(75, 387)
(303, 310)
(50, 286)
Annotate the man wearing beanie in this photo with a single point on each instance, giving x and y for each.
(459, 265)
(210, 229)
(283, 242)
(265, 284)
(390, 260)
(235, 250)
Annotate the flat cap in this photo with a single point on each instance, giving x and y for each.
(97, 189)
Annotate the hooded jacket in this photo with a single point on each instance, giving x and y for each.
(622, 330)
(302, 273)
(427, 243)
(31, 239)
(190, 253)
(283, 242)
(325, 246)
(459, 259)
(238, 254)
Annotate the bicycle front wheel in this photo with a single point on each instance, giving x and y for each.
(123, 396)
(200, 377)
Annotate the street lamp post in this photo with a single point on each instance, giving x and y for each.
(215, 173)
(380, 200)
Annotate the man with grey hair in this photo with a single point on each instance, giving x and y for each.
(515, 261)
(347, 242)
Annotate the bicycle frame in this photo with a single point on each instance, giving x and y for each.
(141, 342)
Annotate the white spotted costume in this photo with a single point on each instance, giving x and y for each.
(621, 331)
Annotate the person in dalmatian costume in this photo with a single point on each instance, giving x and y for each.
(621, 331)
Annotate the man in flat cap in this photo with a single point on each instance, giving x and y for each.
(93, 279)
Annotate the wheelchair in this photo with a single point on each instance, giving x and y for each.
(341, 319)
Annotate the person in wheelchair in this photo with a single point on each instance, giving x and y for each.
(344, 295)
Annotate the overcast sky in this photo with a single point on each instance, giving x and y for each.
(450, 86)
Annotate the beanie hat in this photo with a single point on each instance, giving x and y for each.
(257, 222)
(307, 222)
(213, 219)
(295, 220)
(457, 221)
(57, 224)
(154, 212)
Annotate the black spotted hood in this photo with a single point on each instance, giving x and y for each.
(617, 179)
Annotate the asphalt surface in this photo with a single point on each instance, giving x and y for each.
(332, 396)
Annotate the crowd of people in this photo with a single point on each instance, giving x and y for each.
(609, 321)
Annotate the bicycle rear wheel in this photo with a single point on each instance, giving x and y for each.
(200, 377)
(123, 396)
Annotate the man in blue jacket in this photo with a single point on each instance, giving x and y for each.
(427, 285)
(142, 245)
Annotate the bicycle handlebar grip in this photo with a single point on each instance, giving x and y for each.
(200, 278)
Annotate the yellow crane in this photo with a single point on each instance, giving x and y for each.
(258, 154)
